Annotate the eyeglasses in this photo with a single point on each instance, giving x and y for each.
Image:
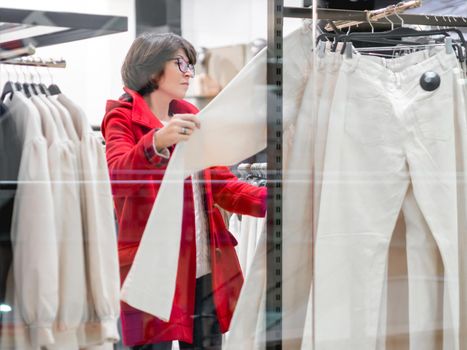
(184, 66)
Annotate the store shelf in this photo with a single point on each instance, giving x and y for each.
(19, 28)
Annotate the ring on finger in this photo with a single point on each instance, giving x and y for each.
(184, 131)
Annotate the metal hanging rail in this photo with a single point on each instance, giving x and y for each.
(362, 17)
(36, 62)
(375, 15)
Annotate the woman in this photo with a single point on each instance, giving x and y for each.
(141, 130)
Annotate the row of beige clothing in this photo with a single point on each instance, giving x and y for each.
(386, 201)
(63, 284)
(384, 159)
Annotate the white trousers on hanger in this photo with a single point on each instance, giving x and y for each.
(385, 131)
(461, 144)
(424, 296)
(327, 73)
(248, 324)
(425, 271)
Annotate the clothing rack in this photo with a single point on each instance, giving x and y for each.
(26, 61)
(276, 13)
(375, 15)
(55, 28)
(389, 18)
(255, 170)
(36, 62)
(23, 61)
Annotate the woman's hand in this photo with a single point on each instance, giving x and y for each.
(179, 128)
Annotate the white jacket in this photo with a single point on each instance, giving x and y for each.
(65, 188)
(35, 264)
(75, 300)
(100, 238)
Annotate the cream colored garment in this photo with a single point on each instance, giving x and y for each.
(66, 119)
(297, 236)
(233, 128)
(247, 231)
(461, 158)
(394, 327)
(235, 227)
(100, 238)
(244, 240)
(63, 167)
(350, 320)
(327, 72)
(35, 265)
(394, 315)
(247, 330)
(203, 262)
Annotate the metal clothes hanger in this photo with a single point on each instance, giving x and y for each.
(10, 87)
(53, 88)
(26, 87)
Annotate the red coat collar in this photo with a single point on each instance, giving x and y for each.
(142, 114)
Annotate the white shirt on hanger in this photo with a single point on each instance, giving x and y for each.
(63, 168)
(35, 264)
(100, 237)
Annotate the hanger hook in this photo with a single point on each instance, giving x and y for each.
(31, 70)
(15, 69)
(40, 71)
(7, 73)
(398, 16)
(50, 74)
(387, 18)
(18, 73)
(25, 71)
(436, 19)
(36, 69)
(368, 19)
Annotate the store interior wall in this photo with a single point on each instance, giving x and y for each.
(217, 23)
(92, 74)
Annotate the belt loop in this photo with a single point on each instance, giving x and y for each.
(350, 65)
(445, 60)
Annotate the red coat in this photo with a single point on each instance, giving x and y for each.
(136, 173)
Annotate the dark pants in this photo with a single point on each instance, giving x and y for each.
(206, 333)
